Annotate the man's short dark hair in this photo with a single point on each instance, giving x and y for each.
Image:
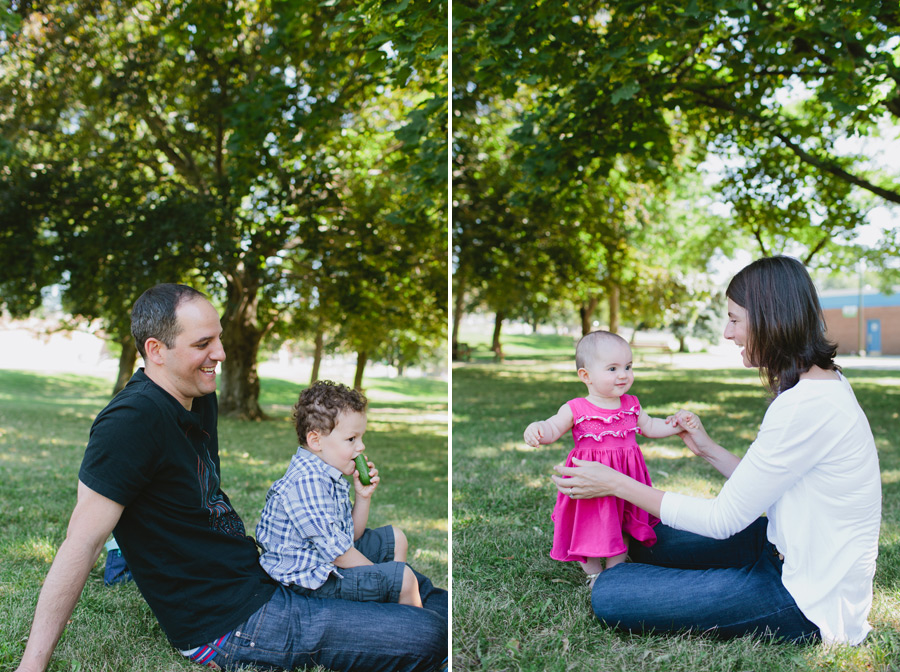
(321, 403)
(153, 314)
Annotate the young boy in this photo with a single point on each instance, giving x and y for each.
(313, 541)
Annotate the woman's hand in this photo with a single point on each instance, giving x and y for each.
(694, 434)
(586, 479)
(701, 445)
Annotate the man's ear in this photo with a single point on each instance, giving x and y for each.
(153, 347)
(313, 441)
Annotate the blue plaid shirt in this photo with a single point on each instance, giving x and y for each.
(306, 523)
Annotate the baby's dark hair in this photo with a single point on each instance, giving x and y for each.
(321, 403)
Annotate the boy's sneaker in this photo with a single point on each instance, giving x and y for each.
(116, 568)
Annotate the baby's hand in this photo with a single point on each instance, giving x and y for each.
(694, 434)
(534, 433)
(685, 419)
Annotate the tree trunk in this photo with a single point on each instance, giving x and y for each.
(495, 341)
(317, 355)
(458, 303)
(614, 309)
(127, 360)
(362, 357)
(241, 336)
(586, 310)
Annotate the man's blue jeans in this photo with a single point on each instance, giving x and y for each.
(729, 588)
(293, 631)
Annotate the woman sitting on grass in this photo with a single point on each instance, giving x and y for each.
(802, 573)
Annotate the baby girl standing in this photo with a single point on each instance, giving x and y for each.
(604, 425)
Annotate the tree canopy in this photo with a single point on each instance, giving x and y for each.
(213, 143)
(611, 109)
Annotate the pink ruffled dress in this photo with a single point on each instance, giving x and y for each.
(593, 528)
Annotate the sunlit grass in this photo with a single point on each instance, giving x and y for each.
(516, 609)
(44, 423)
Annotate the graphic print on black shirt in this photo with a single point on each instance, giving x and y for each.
(222, 517)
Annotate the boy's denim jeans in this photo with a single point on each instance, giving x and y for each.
(730, 588)
(294, 631)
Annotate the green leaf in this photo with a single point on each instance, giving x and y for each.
(625, 92)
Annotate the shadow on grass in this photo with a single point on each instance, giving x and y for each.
(58, 389)
(518, 347)
(44, 426)
(515, 608)
(408, 393)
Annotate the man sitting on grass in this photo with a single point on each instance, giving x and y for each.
(151, 474)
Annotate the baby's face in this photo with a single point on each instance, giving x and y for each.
(609, 371)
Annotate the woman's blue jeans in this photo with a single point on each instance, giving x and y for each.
(730, 588)
(293, 631)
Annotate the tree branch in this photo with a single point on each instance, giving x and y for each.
(837, 171)
(757, 233)
(815, 249)
(824, 165)
(184, 161)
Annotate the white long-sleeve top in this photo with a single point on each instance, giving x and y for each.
(813, 469)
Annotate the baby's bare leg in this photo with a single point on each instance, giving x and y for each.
(616, 560)
(592, 567)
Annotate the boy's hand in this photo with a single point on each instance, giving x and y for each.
(374, 478)
(534, 433)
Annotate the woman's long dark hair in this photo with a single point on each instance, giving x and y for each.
(786, 326)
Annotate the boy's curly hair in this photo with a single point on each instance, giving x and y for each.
(321, 403)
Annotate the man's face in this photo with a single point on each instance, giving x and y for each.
(188, 369)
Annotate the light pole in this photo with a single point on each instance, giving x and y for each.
(859, 312)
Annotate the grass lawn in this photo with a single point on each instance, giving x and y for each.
(44, 423)
(516, 609)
